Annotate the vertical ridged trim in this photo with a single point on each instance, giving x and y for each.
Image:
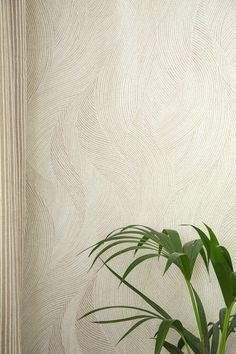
(12, 174)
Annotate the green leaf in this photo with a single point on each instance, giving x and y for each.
(204, 238)
(173, 258)
(203, 321)
(102, 242)
(128, 249)
(125, 319)
(142, 231)
(118, 307)
(160, 251)
(143, 240)
(126, 233)
(150, 302)
(222, 265)
(222, 314)
(223, 273)
(136, 262)
(161, 334)
(172, 349)
(215, 339)
(120, 229)
(165, 242)
(137, 324)
(205, 260)
(145, 228)
(212, 235)
(174, 240)
(163, 331)
(96, 245)
(210, 331)
(227, 257)
(182, 262)
(233, 281)
(109, 247)
(192, 341)
(232, 325)
(192, 249)
(181, 343)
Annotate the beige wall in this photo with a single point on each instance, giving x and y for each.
(131, 119)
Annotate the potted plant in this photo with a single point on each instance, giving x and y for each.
(148, 243)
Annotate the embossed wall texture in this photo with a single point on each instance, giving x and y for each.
(131, 119)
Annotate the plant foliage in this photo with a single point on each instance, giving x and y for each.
(212, 337)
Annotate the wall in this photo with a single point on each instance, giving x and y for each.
(131, 119)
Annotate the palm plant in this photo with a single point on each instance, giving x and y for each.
(212, 337)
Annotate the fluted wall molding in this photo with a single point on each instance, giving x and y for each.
(12, 173)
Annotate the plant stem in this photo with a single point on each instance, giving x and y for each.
(195, 310)
(225, 329)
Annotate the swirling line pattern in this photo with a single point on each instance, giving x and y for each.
(131, 119)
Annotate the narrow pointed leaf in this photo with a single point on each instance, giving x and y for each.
(233, 281)
(146, 228)
(150, 302)
(227, 257)
(105, 249)
(128, 249)
(222, 314)
(192, 341)
(143, 240)
(223, 273)
(181, 343)
(161, 335)
(165, 242)
(174, 239)
(125, 319)
(212, 235)
(192, 249)
(159, 251)
(172, 349)
(182, 261)
(204, 257)
(117, 307)
(203, 321)
(232, 325)
(215, 339)
(138, 231)
(210, 331)
(136, 262)
(204, 238)
(163, 331)
(120, 229)
(176, 259)
(222, 265)
(115, 237)
(137, 324)
(103, 242)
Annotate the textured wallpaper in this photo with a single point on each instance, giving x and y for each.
(131, 119)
